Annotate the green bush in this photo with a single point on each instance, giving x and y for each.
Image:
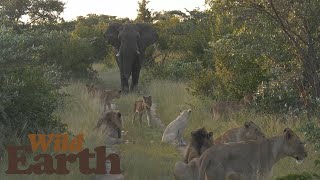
(174, 70)
(74, 55)
(202, 84)
(29, 90)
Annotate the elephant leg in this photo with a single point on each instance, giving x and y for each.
(124, 83)
(135, 75)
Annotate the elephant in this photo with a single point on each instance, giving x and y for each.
(130, 41)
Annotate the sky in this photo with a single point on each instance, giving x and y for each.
(123, 8)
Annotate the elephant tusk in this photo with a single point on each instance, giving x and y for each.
(138, 52)
(118, 54)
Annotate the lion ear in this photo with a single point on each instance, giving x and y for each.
(247, 124)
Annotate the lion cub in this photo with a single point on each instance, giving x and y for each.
(141, 106)
(226, 108)
(105, 96)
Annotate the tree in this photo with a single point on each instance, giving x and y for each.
(269, 47)
(37, 11)
(144, 14)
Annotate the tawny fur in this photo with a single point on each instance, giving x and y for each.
(226, 108)
(184, 171)
(111, 123)
(249, 131)
(143, 106)
(105, 96)
(249, 160)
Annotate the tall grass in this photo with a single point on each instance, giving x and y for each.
(146, 158)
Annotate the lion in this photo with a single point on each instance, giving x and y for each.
(188, 170)
(250, 160)
(112, 125)
(174, 131)
(201, 140)
(226, 108)
(249, 131)
(141, 106)
(105, 96)
(93, 90)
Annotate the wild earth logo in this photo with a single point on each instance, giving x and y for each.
(45, 163)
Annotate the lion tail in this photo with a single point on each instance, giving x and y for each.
(205, 162)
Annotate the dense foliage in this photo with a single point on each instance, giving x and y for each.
(29, 89)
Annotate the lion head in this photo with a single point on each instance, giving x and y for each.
(147, 100)
(253, 131)
(293, 146)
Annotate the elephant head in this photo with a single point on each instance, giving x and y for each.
(130, 41)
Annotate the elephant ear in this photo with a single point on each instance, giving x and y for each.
(148, 34)
(111, 34)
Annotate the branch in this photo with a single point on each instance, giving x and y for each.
(284, 28)
(263, 10)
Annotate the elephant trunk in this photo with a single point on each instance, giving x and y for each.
(127, 55)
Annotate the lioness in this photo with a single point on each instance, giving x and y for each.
(174, 131)
(187, 171)
(113, 125)
(250, 160)
(226, 108)
(249, 131)
(141, 106)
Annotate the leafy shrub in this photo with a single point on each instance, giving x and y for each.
(73, 55)
(29, 90)
(174, 70)
(202, 83)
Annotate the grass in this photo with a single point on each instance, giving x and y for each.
(147, 158)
